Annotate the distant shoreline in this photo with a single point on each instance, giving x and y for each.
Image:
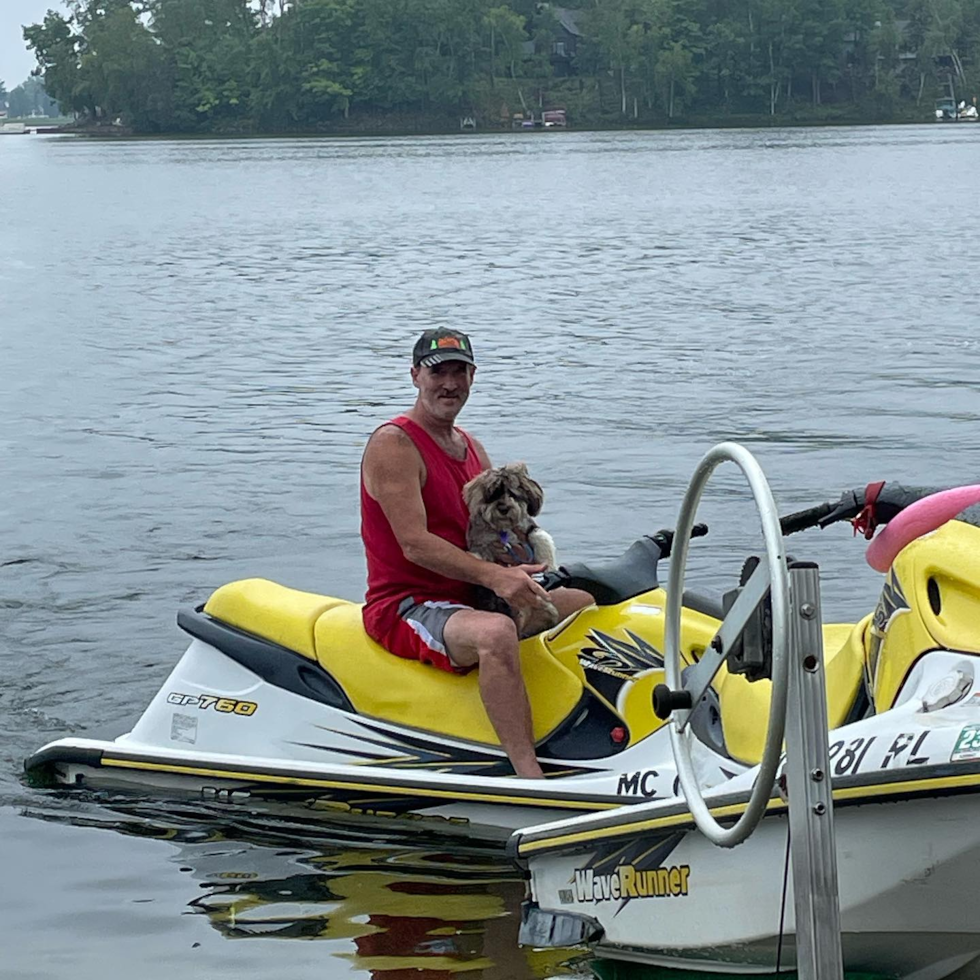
(90, 131)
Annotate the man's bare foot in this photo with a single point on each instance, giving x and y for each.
(529, 771)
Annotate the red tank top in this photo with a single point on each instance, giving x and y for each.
(391, 576)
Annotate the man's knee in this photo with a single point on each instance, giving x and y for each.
(497, 637)
(568, 601)
(473, 636)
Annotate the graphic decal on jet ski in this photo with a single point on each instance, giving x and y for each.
(405, 751)
(634, 871)
(611, 663)
(204, 701)
(891, 603)
(639, 783)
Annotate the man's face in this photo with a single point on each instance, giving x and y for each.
(443, 389)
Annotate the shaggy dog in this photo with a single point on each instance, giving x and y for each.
(502, 503)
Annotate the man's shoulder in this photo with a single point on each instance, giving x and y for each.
(391, 460)
(389, 439)
(390, 432)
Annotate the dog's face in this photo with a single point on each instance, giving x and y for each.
(504, 497)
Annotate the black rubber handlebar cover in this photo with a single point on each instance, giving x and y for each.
(892, 500)
(803, 519)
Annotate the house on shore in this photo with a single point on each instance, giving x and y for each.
(562, 45)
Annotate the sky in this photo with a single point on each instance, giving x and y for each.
(16, 62)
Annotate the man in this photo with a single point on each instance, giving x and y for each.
(420, 576)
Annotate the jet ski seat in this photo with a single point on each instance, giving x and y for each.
(380, 685)
(263, 608)
(744, 707)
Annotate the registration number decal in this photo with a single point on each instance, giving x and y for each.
(905, 749)
(967, 746)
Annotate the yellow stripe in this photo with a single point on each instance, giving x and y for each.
(655, 823)
(367, 787)
(734, 809)
(907, 786)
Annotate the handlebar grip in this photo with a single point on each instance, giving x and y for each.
(551, 580)
(803, 519)
(664, 538)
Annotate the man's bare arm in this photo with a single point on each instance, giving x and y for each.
(393, 473)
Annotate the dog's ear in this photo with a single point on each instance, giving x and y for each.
(532, 490)
(473, 491)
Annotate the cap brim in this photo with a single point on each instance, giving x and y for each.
(449, 354)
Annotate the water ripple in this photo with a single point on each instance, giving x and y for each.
(207, 332)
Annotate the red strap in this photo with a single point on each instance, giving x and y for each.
(867, 520)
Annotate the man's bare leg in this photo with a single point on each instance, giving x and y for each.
(568, 601)
(489, 640)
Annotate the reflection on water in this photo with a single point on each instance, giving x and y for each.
(390, 909)
(400, 911)
(198, 336)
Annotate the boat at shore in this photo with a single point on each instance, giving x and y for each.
(949, 110)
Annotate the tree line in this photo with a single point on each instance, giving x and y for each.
(309, 65)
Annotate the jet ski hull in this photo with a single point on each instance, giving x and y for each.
(645, 885)
(294, 752)
(487, 810)
(907, 875)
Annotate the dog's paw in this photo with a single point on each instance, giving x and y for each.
(543, 546)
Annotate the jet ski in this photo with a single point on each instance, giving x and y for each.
(282, 700)
(643, 884)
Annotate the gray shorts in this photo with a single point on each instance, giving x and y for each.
(427, 622)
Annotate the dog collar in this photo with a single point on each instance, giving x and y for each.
(527, 558)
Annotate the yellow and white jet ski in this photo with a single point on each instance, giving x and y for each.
(644, 884)
(281, 698)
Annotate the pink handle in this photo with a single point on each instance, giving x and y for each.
(920, 518)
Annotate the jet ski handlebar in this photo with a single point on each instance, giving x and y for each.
(803, 519)
(876, 503)
(622, 578)
(552, 579)
(635, 571)
(664, 538)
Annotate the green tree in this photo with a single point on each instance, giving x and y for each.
(608, 24)
(207, 50)
(121, 67)
(56, 47)
(816, 51)
(281, 65)
(723, 67)
(676, 74)
(507, 35)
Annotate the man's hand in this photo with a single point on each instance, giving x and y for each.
(516, 587)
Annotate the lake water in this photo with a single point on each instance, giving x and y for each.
(196, 339)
